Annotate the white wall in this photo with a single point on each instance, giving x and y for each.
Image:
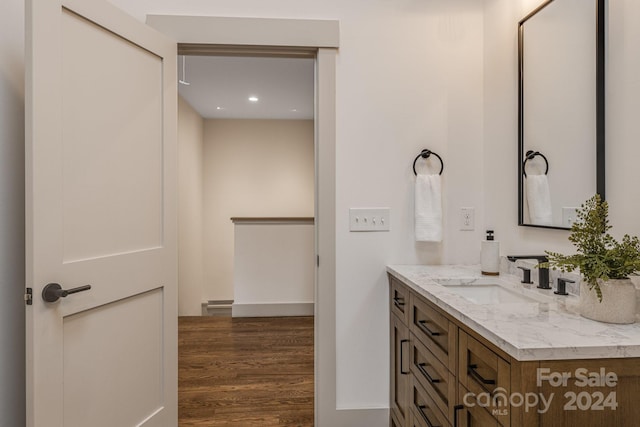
(417, 85)
(274, 264)
(252, 168)
(12, 389)
(190, 210)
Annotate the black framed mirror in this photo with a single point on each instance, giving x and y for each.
(561, 111)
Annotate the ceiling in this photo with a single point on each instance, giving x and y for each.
(220, 87)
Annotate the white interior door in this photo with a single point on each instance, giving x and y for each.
(101, 211)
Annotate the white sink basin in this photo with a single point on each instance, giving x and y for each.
(488, 294)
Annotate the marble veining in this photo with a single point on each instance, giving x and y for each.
(545, 328)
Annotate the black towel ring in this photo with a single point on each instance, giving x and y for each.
(425, 155)
(530, 155)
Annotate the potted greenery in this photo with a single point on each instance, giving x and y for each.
(606, 292)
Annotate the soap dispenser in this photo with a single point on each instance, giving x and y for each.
(490, 255)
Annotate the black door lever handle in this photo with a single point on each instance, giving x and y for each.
(53, 292)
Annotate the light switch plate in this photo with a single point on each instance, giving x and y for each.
(369, 219)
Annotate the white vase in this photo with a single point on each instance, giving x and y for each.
(618, 301)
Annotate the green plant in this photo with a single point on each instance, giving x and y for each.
(599, 255)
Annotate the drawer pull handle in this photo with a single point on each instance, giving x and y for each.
(399, 302)
(426, 419)
(471, 369)
(421, 368)
(422, 324)
(402, 371)
(455, 414)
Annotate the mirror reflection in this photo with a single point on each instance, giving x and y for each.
(560, 106)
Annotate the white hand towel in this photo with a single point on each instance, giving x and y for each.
(428, 208)
(539, 200)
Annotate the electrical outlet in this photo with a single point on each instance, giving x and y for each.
(467, 219)
(569, 216)
(369, 219)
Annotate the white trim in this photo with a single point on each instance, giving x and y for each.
(248, 31)
(272, 221)
(273, 309)
(369, 417)
(323, 35)
(325, 214)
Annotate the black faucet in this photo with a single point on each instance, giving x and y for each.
(543, 272)
(562, 286)
(526, 275)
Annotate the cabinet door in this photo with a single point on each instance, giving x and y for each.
(400, 371)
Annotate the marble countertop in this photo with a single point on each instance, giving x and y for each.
(548, 328)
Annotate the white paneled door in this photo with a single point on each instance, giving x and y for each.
(101, 211)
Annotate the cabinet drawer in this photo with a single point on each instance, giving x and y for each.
(483, 373)
(434, 330)
(399, 299)
(472, 415)
(425, 412)
(434, 377)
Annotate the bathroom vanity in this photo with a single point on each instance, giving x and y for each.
(468, 350)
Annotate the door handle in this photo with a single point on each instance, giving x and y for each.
(402, 357)
(53, 292)
(423, 370)
(422, 324)
(455, 414)
(471, 369)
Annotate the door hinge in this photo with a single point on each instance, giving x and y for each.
(28, 296)
(318, 260)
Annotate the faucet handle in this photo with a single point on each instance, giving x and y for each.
(526, 275)
(562, 286)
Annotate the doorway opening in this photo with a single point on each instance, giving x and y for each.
(247, 190)
(246, 226)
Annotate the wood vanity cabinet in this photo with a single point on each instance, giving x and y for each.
(423, 348)
(445, 374)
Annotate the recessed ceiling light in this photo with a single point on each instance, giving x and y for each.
(253, 98)
(219, 108)
(294, 110)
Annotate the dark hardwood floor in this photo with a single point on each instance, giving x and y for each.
(245, 372)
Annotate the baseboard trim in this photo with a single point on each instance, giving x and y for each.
(272, 309)
(370, 417)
